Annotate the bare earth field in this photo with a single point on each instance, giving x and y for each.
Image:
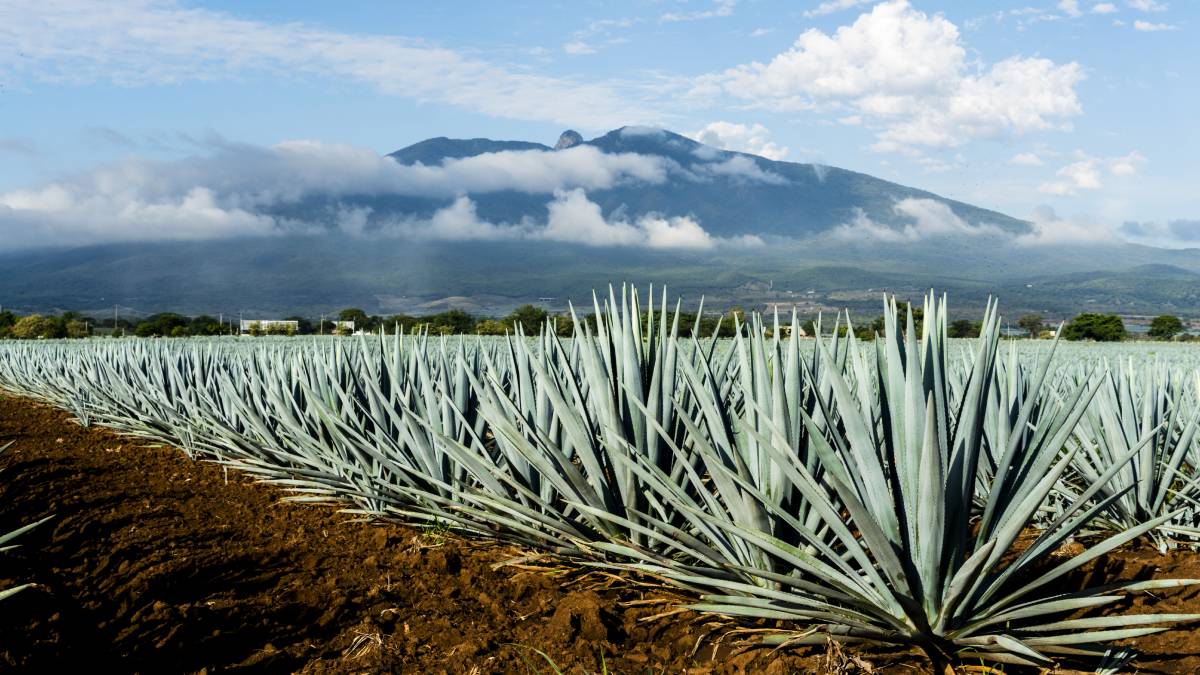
(154, 563)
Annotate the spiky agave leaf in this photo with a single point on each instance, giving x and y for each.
(1145, 413)
(907, 566)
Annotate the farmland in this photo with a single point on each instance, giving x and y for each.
(954, 501)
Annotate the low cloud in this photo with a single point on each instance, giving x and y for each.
(1049, 229)
(754, 139)
(742, 168)
(1026, 159)
(925, 218)
(1089, 173)
(1170, 234)
(233, 189)
(571, 217)
(242, 190)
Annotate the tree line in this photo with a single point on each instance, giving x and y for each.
(1086, 326)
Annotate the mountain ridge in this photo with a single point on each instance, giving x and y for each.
(779, 198)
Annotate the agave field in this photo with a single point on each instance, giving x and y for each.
(913, 490)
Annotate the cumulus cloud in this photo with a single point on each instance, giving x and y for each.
(743, 168)
(1147, 5)
(575, 218)
(1149, 27)
(1070, 7)
(578, 47)
(926, 218)
(234, 189)
(1026, 159)
(1104, 8)
(1048, 229)
(57, 216)
(241, 190)
(141, 42)
(831, 6)
(754, 139)
(907, 73)
(720, 8)
(1169, 234)
(1088, 173)
(571, 217)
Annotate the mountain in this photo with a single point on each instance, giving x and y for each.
(728, 193)
(437, 150)
(807, 235)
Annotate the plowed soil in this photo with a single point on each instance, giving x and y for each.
(154, 563)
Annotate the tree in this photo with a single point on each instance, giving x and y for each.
(453, 322)
(358, 316)
(963, 328)
(1033, 323)
(530, 318)
(36, 326)
(492, 327)
(1165, 327)
(303, 325)
(204, 325)
(162, 324)
(76, 329)
(1098, 327)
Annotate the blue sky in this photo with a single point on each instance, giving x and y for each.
(1085, 109)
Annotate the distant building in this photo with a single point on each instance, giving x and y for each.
(270, 326)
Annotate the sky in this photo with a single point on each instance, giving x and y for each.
(1076, 113)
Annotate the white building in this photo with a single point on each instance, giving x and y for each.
(270, 326)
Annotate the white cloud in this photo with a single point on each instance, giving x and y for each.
(55, 216)
(907, 73)
(1026, 159)
(578, 47)
(1070, 7)
(754, 139)
(928, 218)
(1104, 8)
(242, 190)
(1180, 233)
(720, 8)
(1088, 173)
(760, 32)
(574, 218)
(832, 6)
(155, 42)
(1147, 5)
(741, 167)
(1051, 229)
(236, 188)
(1148, 27)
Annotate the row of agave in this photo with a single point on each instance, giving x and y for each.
(883, 493)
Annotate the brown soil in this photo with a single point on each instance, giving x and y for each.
(153, 564)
